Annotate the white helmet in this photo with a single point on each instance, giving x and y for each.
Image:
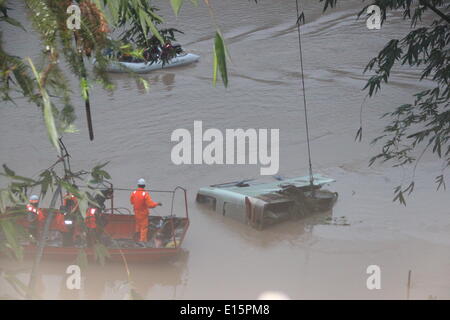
(141, 182)
(34, 198)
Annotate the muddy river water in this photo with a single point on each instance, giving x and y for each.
(223, 258)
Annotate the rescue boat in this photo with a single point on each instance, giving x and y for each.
(180, 59)
(166, 235)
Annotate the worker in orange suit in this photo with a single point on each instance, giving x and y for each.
(142, 202)
(35, 215)
(93, 233)
(70, 203)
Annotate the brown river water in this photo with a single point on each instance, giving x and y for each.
(225, 259)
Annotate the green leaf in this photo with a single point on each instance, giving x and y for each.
(83, 205)
(48, 112)
(12, 238)
(4, 199)
(153, 29)
(71, 128)
(358, 136)
(135, 295)
(156, 17)
(101, 253)
(13, 22)
(176, 6)
(46, 182)
(219, 52)
(20, 287)
(215, 67)
(84, 86)
(143, 22)
(11, 174)
(70, 188)
(145, 84)
(113, 7)
(8, 171)
(82, 260)
(100, 166)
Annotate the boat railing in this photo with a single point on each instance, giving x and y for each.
(178, 189)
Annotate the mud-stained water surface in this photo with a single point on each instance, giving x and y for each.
(317, 257)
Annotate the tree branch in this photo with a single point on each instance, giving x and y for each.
(435, 10)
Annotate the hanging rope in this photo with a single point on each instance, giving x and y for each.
(311, 178)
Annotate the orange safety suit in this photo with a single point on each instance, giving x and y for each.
(36, 211)
(58, 222)
(142, 202)
(90, 220)
(70, 202)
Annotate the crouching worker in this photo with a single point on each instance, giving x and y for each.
(142, 202)
(37, 217)
(70, 213)
(34, 214)
(95, 223)
(58, 230)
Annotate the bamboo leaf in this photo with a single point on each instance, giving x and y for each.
(83, 205)
(48, 112)
(11, 238)
(156, 17)
(358, 136)
(215, 67)
(145, 84)
(20, 287)
(13, 22)
(176, 6)
(219, 51)
(82, 260)
(143, 22)
(8, 171)
(153, 29)
(135, 295)
(70, 188)
(101, 253)
(100, 166)
(3, 200)
(84, 86)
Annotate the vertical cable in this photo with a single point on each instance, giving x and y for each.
(311, 178)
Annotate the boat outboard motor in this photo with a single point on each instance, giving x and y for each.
(102, 197)
(177, 47)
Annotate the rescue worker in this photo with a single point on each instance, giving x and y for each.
(94, 224)
(37, 218)
(142, 202)
(33, 216)
(167, 52)
(70, 203)
(69, 216)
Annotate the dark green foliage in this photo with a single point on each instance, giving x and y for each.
(424, 125)
(139, 19)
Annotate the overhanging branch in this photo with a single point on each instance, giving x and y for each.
(435, 10)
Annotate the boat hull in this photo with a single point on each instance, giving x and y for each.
(119, 227)
(70, 254)
(143, 67)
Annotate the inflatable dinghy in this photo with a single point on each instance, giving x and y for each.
(143, 67)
